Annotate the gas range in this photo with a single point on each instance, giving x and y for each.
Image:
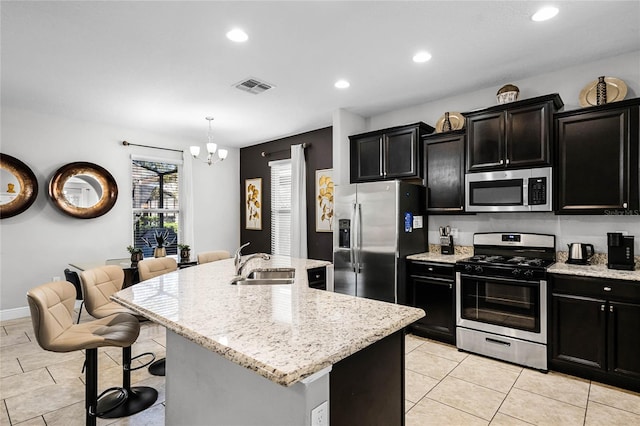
(501, 297)
(510, 255)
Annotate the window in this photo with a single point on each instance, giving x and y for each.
(281, 207)
(156, 204)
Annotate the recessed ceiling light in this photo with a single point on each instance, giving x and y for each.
(421, 57)
(544, 14)
(237, 35)
(342, 84)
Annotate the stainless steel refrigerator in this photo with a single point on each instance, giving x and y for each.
(379, 224)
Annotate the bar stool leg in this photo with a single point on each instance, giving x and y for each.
(91, 386)
(138, 398)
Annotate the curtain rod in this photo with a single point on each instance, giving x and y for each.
(266, 154)
(125, 143)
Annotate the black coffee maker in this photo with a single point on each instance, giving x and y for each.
(620, 254)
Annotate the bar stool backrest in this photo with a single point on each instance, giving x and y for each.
(99, 284)
(51, 307)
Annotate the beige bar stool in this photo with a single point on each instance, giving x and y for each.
(51, 306)
(151, 268)
(212, 256)
(98, 284)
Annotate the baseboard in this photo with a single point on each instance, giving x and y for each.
(15, 313)
(9, 314)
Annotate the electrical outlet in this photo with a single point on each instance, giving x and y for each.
(454, 232)
(55, 279)
(320, 415)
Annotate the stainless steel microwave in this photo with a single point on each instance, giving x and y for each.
(526, 190)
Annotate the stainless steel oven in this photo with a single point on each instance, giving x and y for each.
(501, 297)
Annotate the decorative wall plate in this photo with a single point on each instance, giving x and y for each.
(457, 121)
(616, 91)
(19, 186)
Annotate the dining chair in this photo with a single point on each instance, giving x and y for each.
(212, 256)
(51, 307)
(156, 266)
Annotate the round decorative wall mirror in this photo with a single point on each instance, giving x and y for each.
(83, 190)
(18, 186)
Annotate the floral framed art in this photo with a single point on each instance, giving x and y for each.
(253, 203)
(324, 200)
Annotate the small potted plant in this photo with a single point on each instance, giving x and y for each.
(185, 252)
(136, 254)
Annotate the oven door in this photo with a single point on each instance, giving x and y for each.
(514, 308)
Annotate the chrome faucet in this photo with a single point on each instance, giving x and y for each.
(236, 257)
(239, 265)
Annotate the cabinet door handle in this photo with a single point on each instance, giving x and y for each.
(450, 286)
(501, 161)
(602, 308)
(607, 289)
(624, 205)
(383, 172)
(507, 161)
(610, 308)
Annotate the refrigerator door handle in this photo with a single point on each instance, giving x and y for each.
(352, 247)
(358, 267)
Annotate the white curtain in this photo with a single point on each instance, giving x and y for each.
(298, 203)
(186, 202)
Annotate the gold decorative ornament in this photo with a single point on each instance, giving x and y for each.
(508, 93)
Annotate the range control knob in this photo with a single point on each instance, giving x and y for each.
(478, 269)
(468, 268)
(515, 272)
(528, 274)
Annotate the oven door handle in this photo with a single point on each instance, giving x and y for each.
(511, 280)
(497, 342)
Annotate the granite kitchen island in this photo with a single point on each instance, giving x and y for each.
(270, 354)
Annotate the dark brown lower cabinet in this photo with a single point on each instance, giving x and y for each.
(432, 288)
(595, 329)
(317, 278)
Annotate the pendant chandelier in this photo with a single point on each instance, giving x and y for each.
(214, 155)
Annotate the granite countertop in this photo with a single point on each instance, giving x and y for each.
(434, 255)
(437, 257)
(597, 268)
(596, 271)
(282, 332)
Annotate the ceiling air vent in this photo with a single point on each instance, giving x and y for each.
(253, 85)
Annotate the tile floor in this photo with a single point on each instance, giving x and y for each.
(443, 387)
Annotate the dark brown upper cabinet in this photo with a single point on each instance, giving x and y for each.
(444, 171)
(513, 135)
(597, 170)
(394, 153)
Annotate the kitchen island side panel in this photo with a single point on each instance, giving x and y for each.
(367, 388)
(204, 388)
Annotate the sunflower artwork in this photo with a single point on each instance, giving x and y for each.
(253, 202)
(324, 200)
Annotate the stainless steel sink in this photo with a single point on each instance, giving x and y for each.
(272, 273)
(264, 281)
(268, 277)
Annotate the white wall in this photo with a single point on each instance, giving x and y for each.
(568, 82)
(345, 123)
(38, 244)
